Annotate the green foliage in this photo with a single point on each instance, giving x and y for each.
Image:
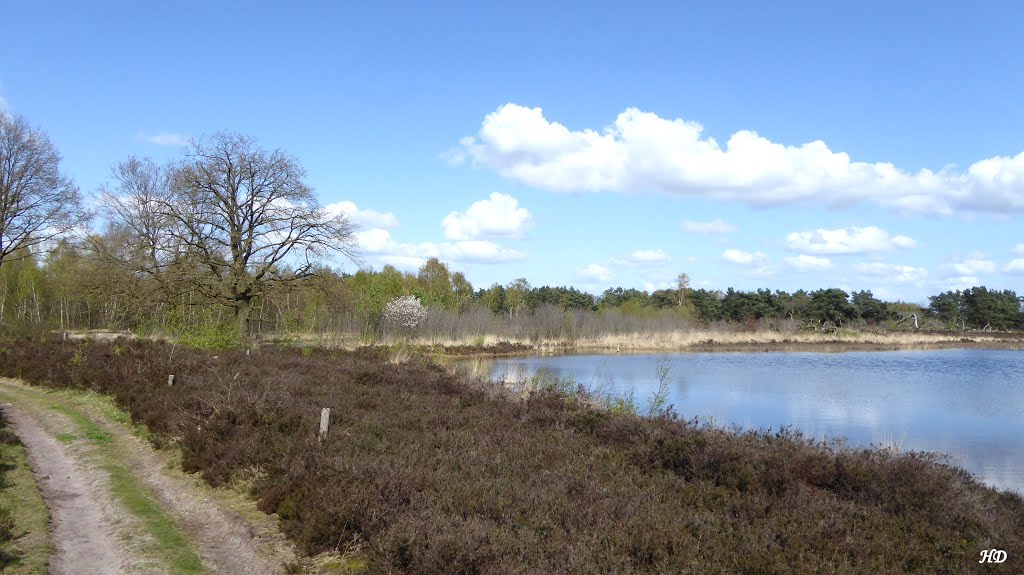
(708, 304)
(625, 405)
(869, 308)
(979, 307)
(210, 336)
(832, 305)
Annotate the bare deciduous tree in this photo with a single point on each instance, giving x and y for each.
(37, 202)
(245, 214)
(136, 206)
(229, 219)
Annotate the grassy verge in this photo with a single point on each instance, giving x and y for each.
(425, 473)
(163, 540)
(845, 339)
(24, 520)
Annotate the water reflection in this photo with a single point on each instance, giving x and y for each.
(966, 403)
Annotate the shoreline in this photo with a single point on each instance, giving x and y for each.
(707, 342)
(702, 341)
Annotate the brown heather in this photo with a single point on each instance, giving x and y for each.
(426, 473)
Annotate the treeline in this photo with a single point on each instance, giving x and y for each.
(74, 287)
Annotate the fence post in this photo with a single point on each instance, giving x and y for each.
(325, 421)
(170, 380)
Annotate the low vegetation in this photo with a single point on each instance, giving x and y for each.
(427, 472)
(24, 545)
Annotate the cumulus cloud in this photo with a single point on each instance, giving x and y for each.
(741, 257)
(806, 263)
(497, 216)
(378, 242)
(594, 273)
(164, 139)
(893, 273)
(641, 151)
(1015, 267)
(971, 266)
(852, 240)
(642, 257)
(716, 226)
(366, 218)
(961, 282)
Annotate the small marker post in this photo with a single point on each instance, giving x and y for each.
(325, 422)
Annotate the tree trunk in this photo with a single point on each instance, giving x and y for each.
(243, 306)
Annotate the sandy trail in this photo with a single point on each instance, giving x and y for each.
(87, 523)
(83, 535)
(225, 541)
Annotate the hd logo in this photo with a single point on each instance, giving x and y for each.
(993, 556)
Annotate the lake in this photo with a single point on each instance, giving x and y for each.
(966, 403)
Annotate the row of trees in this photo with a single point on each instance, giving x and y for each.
(229, 237)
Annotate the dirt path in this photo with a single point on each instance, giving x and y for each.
(89, 526)
(83, 535)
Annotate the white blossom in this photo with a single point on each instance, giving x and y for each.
(406, 312)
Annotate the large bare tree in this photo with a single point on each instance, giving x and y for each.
(37, 202)
(231, 218)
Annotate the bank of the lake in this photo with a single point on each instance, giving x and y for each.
(698, 340)
(966, 403)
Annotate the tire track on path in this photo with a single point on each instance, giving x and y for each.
(84, 536)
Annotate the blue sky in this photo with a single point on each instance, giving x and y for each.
(868, 145)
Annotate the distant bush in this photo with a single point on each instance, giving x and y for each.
(428, 473)
(404, 313)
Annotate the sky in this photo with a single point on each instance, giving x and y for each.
(784, 145)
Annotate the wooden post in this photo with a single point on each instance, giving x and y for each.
(64, 336)
(170, 380)
(325, 421)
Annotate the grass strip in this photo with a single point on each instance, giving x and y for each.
(26, 517)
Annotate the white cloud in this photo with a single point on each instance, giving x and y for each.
(164, 139)
(375, 241)
(971, 266)
(499, 215)
(806, 263)
(367, 218)
(1019, 249)
(378, 242)
(641, 151)
(1015, 267)
(960, 282)
(716, 226)
(893, 273)
(594, 273)
(644, 257)
(852, 240)
(741, 257)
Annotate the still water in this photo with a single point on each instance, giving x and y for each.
(966, 403)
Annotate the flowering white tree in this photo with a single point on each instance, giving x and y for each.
(404, 312)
